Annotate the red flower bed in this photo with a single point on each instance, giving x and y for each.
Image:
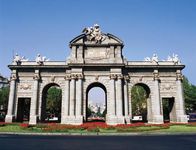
(96, 126)
(24, 125)
(2, 124)
(86, 126)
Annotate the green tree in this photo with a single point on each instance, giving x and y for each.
(190, 96)
(53, 101)
(4, 96)
(88, 112)
(104, 113)
(139, 101)
(99, 112)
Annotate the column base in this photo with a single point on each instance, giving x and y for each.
(9, 118)
(114, 120)
(33, 120)
(181, 119)
(156, 119)
(127, 119)
(73, 120)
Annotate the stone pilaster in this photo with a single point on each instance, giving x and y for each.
(66, 100)
(111, 102)
(34, 99)
(126, 100)
(119, 100)
(9, 117)
(79, 90)
(119, 97)
(155, 99)
(179, 101)
(72, 95)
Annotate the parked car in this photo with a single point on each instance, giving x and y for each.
(137, 118)
(192, 117)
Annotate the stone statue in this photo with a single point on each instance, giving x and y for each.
(147, 59)
(174, 58)
(94, 34)
(24, 59)
(17, 59)
(39, 59)
(153, 59)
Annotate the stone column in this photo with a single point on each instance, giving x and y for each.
(112, 101)
(179, 102)
(156, 108)
(34, 100)
(130, 104)
(9, 117)
(65, 101)
(79, 90)
(79, 96)
(72, 96)
(119, 98)
(126, 100)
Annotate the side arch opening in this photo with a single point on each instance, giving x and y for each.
(140, 99)
(51, 103)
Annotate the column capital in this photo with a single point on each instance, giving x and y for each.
(156, 75)
(179, 76)
(120, 76)
(67, 77)
(80, 76)
(13, 77)
(113, 76)
(126, 78)
(73, 76)
(36, 77)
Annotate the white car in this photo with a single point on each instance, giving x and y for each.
(53, 119)
(137, 118)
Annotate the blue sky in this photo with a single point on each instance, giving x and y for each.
(164, 27)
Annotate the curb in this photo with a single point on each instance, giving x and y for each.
(98, 134)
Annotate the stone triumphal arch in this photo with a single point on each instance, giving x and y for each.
(96, 59)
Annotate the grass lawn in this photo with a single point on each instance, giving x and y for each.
(101, 128)
(180, 128)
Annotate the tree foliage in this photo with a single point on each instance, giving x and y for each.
(4, 96)
(53, 101)
(88, 112)
(190, 96)
(139, 101)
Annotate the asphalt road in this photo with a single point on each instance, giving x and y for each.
(161, 142)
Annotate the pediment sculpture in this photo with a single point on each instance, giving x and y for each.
(94, 34)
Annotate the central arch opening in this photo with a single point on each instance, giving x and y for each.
(51, 103)
(96, 102)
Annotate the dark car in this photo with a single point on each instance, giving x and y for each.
(192, 117)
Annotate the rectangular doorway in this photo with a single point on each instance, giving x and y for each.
(168, 109)
(23, 110)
